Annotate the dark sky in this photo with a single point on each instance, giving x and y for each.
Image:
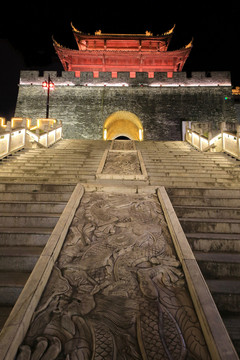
(26, 33)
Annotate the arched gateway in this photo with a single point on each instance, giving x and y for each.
(123, 123)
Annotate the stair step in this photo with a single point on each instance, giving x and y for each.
(33, 207)
(28, 219)
(48, 177)
(209, 212)
(232, 323)
(38, 187)
(205, 192)
(35, 196)
(26, 230)
(169, 183)
(31, 238)
(11, 285)
(214, 242)
(19, 258)
(226, 294)
(219, 265)
(190, 178)
(201, 201)
(4, 313)
(210, 225)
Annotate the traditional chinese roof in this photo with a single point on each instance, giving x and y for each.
(122, 52)
(131, 42)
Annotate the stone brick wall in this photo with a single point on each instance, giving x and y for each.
(83, 103)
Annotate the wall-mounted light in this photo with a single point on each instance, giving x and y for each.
(140, 132)
(105, 134)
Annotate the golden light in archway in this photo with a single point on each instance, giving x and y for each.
(123, 123)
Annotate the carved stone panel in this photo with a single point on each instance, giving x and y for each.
(125, 162)
(117, 290)
(122, 161)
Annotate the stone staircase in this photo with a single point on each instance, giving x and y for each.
(204, 188)
(211, 221)
(68, 161)
(28, 214)
(29, 210)
(177, 164)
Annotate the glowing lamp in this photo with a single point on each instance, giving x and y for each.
(45, 84)
(140, 132)
(105, 134)
(51, 86)
(48, 85)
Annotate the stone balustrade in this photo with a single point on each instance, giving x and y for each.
(224, 141)
(11, 141)
(15, 134)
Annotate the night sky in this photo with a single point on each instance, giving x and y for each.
(26, 34)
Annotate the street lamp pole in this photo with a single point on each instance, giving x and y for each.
(48, 85)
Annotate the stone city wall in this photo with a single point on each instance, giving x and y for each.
(161, 103)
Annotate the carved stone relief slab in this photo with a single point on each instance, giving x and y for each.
(117, 290)
(122, 161)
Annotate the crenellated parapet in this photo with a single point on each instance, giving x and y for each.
(70, 78)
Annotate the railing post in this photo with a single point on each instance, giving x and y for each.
(209, 138)
(24, 124)
(200, 139)
(60, 123)
(222, 127)
(9, 129)
(238, 140)
(187, 132)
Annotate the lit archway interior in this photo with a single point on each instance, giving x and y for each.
(123, 123)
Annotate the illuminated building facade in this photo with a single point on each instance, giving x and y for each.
(126, 85)
(122, 52)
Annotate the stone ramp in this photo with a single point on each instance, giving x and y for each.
(118, 286)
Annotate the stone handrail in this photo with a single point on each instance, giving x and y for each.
(12, 140)
(13, 134)
(48, 138)
(224, 141)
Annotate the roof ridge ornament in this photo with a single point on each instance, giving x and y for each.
(148, 33)
(189, 45)
(74, 29)
(169, 32)
(56, 43)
